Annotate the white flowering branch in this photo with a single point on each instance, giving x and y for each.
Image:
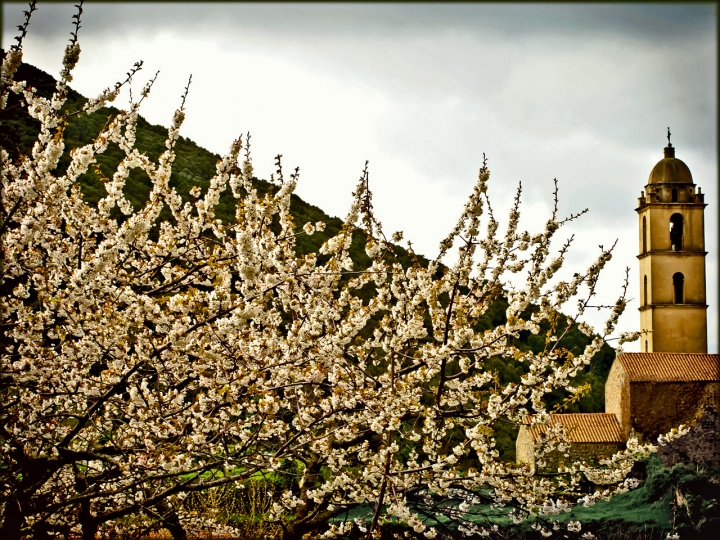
(144, 359)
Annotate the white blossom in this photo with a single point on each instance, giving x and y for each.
(147, 359)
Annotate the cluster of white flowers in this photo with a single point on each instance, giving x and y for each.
(146, 359)
(673, 434)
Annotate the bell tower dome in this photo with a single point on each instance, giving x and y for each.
(673, 312)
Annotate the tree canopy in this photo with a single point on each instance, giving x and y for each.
(174, 325)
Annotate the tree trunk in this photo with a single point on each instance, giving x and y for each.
(11, 521)
(171, 521)
(88, 523)
(41, 531)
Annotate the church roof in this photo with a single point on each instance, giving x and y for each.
(670, 170)
(670, 367)
(583, 427)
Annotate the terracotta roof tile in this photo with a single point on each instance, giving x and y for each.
(670, 367)
(584, 427)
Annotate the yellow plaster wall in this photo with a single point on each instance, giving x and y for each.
(660, 268)
(675, 328)
(658, 226)
(671, 327)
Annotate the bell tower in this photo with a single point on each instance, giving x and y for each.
(673, 312)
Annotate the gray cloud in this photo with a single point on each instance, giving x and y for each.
(652, 22)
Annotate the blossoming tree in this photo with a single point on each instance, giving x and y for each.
(144, 359)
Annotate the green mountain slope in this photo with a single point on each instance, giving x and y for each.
(193, 166)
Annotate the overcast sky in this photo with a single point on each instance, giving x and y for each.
(581, 93)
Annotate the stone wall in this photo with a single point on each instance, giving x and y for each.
(700, 446)
(617, 396)
(656, 408)
(524, 447)
(589, 452)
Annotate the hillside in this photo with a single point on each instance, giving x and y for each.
(194, 166)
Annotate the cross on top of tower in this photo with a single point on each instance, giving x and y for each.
(669, 150)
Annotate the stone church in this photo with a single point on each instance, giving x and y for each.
(673, 381)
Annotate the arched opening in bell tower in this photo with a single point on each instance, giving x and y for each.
(676, 232)
(678, 288)
(644, 235)
(674, 195)
(645, 296)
